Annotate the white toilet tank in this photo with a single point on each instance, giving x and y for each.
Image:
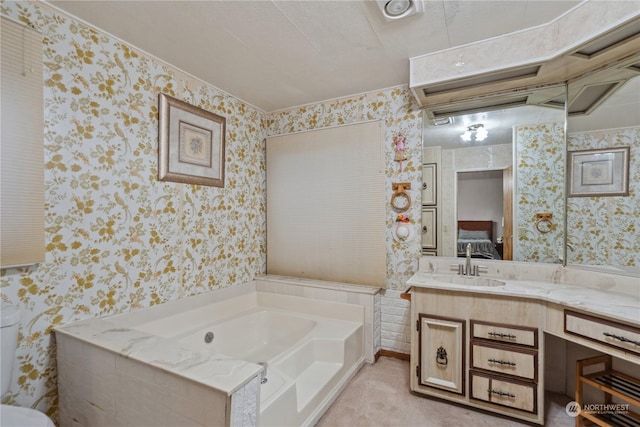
(14, 416)
(9, 318)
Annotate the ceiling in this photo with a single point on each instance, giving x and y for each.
(280, 54)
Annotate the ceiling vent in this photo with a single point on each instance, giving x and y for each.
(392, 10)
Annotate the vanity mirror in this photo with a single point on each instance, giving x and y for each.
(603, 113)
(584, 95)
(494, 182)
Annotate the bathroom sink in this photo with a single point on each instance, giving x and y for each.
(468, 280)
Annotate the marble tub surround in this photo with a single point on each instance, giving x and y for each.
(153, 340)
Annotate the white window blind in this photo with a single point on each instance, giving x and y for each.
(326, 205)
(21, 147)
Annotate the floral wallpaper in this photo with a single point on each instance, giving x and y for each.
(539, 188)
(606, 230)
(117, 239)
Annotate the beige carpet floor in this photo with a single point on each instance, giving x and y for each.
(379, 396)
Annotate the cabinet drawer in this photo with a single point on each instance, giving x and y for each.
(603, 331)
(499, 332)
(504, 392)
(506, 361)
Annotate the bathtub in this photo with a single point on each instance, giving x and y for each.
(290, 355)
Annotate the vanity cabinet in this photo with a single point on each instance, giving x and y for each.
(484, 352)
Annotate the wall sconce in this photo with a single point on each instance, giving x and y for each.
(475, 132)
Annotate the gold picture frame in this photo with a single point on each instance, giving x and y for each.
(191, 143)
(601, 172)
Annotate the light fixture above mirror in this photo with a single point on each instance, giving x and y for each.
(476, 132)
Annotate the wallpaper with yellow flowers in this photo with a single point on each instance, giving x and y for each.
(606, 230)
(118, 239)
(539, 188)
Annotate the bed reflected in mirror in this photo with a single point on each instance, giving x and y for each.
(480, 205)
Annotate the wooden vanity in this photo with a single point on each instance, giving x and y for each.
(484, 349)
(489, 357)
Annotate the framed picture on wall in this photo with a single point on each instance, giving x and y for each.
(596, 173)
(191, 143)
(429, 183)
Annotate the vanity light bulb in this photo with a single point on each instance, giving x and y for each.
(481, 134)
(466, 136)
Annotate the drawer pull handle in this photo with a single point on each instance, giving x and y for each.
(502, 393)
(623, 339)
(502, 362)
(501, 335)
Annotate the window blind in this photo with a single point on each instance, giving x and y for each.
(21, 147)
(326, 206)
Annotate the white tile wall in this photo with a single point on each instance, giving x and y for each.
(395, 317)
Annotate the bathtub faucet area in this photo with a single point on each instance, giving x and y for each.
(263, 375)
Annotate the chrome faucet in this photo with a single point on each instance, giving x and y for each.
(467, 269)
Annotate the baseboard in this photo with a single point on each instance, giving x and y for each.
(396, 354)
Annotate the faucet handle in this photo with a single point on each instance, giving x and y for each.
(481, 269)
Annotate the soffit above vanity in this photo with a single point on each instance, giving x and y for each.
(509, 70)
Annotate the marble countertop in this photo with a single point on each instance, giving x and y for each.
(609, 303)
(217, 371)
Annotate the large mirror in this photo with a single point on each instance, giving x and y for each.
(603, 119)
(500, 179)
(568, 157)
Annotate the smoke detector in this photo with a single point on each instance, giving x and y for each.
(393, 10)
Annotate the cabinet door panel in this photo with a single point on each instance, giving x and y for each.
(442, 353)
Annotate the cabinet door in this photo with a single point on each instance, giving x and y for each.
(442, 353)
(429, 182)
(429, 228)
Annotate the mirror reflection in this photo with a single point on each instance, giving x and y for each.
(604, 114)
(492, 188)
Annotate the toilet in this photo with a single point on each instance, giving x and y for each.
(14, 416)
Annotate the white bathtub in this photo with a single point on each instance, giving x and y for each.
(307, 358)
(308, 349)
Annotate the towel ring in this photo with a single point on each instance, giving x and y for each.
(402, 204)
(544, 226)
(543, 222)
